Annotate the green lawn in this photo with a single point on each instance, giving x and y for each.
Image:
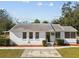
(69, 52)
(10, 53)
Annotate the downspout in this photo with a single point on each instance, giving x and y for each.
(54, 33)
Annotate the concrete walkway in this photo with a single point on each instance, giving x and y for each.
(26, 47)
(58, 47)
(40, 53)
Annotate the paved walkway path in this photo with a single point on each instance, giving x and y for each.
(40, 53)
(58, 47)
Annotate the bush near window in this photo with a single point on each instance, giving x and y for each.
(4, 42)
(44, 42)
(60, 41)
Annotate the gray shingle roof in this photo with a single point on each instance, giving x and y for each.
(32, 27)
(69, 28)
(42, 27)
(57, 27)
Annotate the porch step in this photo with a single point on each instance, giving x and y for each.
(49, 43)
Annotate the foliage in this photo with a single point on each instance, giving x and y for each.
(18, 21)
(4, 42)
(60, 41)
(44, 42)
(5, 20)
(37, 21)
(70, 15)
(45, 22)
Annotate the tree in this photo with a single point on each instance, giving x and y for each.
(5, 20)
(67, 13)
(66, 8)
(37, 21)
(45, 22)
(21, 22)
(70, 15)
(55, 21)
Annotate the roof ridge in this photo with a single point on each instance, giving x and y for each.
(34, 23)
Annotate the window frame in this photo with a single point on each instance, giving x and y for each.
(31, 33)
(67, 36)
(24, 35)
(72, 35)
(58, 34)
(36, 35)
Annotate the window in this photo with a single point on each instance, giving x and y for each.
(73, 35)
(30, 35)
(37, 35)
(57, 34)
(67, 34)
(70, 34)
(24, 35)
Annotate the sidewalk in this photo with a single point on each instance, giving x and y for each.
(58, 47)
(26, 47)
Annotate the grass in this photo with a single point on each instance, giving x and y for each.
(69, 52)
(10, 53)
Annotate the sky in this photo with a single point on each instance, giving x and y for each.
(31, 10)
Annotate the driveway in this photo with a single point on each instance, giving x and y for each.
(41, 53)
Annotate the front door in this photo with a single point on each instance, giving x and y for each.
(48, 36)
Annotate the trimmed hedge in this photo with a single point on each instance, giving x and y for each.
(4, 42)
(60, 41)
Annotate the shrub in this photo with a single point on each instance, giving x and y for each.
(4, 42)
(77, 41)
(60, 41)
(44, 42)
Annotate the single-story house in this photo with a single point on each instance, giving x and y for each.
(34, 34)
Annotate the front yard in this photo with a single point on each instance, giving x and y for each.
(16, 53)
(10, 53)
(69, 52)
